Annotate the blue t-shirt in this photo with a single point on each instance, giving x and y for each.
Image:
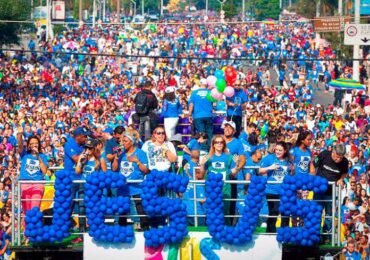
(221, 164)
(71, 148)
(192, 145)
(30, 167)
(352, 256)
(275, 175)
(243, 173)
(132, 172)
(171, 109)
(202, 107)
(188, 195)
(238, 99)
(248, 148)
(235, 146)
(301, 160)
(88, 168)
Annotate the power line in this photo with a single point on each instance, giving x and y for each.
(177, 57)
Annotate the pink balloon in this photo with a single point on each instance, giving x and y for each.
(211, 81)
(229, 91)
(216, 94)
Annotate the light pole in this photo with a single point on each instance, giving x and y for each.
(356, 48)
(222, 2)
(142, 7)
(206, 7)
(161, 8)
(134, 2)
(243, 10)
(94, 12)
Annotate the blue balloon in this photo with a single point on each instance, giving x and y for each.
(219, 74)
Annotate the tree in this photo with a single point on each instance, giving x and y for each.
(266, 9)
(14, 10)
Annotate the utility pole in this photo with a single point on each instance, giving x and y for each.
(142, 7)
(340, 7)
(80, 10)
(118, 11)
(104, 10)
(161, 8)
(207, 8)
(356, 48)
(243, 10)
(94, 13)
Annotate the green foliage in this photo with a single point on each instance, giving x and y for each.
(14, 10)
(266, 9)
(230, 9)
(58, 28)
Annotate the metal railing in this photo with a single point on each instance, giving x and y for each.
(17, 211)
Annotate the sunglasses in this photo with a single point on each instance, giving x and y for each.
(160, 133)
(218, 142)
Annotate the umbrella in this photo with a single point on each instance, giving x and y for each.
(346, 84)
(71, 45)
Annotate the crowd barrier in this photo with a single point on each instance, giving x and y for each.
(18, 215)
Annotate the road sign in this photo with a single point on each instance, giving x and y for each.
(330, 24)
(357, 34)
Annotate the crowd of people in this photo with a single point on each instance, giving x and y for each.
(116, 98)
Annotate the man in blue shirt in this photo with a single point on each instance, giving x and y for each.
(200, 111)
(113, 144)
(235, 105)
(350, 253)
(235, 147)
(74, 147)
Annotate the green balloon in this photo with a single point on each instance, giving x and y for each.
(210, 98)
(221, 85)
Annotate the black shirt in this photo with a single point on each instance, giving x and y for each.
(327, 168)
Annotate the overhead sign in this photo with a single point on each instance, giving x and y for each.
(330, 24)
(58, 11)
(365, 7)
(357, 34)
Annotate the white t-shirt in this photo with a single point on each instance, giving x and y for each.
(156, 158)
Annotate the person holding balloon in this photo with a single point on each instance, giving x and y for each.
(235, 105)
(200, 111)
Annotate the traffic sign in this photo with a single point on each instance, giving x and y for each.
(330, 24)
(357, 34)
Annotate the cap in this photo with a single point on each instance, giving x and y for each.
(82, 130)
(230, 123)
(169, 90)
(90, 143)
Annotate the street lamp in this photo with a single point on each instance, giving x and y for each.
(134, 2)
(222, 2)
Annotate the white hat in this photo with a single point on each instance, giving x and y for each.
(169, 90)
(230, 123)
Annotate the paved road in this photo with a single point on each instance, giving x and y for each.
(320, 96)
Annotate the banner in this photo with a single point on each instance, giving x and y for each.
(365, 7)
(194, 247)
(58, 12)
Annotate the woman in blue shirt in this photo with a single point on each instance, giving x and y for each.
(171, 110)
(133, 164)
(89, 161)
(219, 161)
(276, 166)
(33, 168)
